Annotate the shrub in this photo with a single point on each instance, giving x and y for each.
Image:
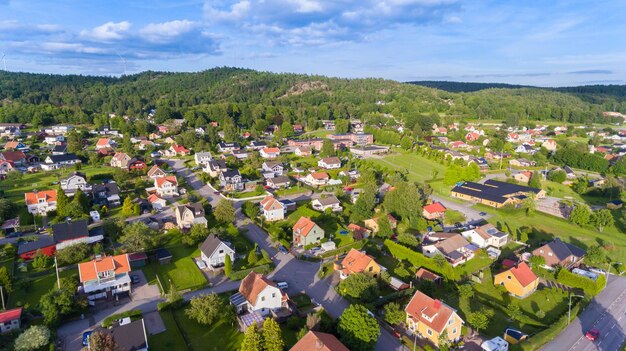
(418, 260)
(573, 280)
(133, 314)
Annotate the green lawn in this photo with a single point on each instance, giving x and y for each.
(169, 340)
(419, 168)
(182, 271)
(223, 335)
(291, 191)
(453, 216)
(30, 294)
(547, 226)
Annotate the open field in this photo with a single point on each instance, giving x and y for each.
(182, 271)
(30, 294)
(420, 168)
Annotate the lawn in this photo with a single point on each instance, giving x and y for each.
(169, 340)
(453, 216)
(223, 335)
(547, 226)
(419, 168)
(291, 191)
(29, 295)
(182, 271)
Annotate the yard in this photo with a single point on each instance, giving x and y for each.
(420, 168)
(29, 294)
(182, 272)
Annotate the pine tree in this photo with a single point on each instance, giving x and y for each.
(272, 337)
(62, 202)
(128, 207)
(252, 340)
(228, 265)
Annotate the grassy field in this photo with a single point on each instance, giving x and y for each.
(29, 295)
(170, 339)
(220, 336)
(419, 168)
(182, 271)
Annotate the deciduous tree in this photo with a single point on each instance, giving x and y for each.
(272, 336)
(252, 340)
(602, 219)
(224, 211)
(33, 338)
(357, 329)
(205, 309)
(359, 285)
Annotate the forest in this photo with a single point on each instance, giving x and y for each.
(248, 97)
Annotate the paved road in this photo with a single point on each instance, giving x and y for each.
(607, 312)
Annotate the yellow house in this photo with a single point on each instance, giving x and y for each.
(429, 318)
(358, 262)
(519, 281)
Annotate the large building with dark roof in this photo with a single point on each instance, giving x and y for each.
(495, 193)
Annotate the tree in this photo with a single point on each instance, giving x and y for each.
(62, 202)
(478, 320)
(444, 341)
(99, 341)
(595, 255)
(128, 207)
(252, 340)
(535, 180)
(394, 314)
(137, 236)
(250, 209)
(537, 261)
(342, 126)
(228, 265)
(514, 311)
(33, 338)
(41, 260)
(5, 279)
(364, 206)
(286, 129)
(205, 309)
(408, 239)
(55, 304)
(581, 215)
(359, 285)
(439, 260)
(197, 233)
(272, 336)
(224, 211)
(73, 254)
(328, 149)
(81, 201)
(602, 219)
(405, 201)
(384, 227)
(466, 291)
(406, 143)
(580, 185)
(557, 176)
(471, 172)
(357, 329)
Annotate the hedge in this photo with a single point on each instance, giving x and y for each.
(418, 260)
(393, 296)
(263, 269)
(133, 314)
(573, 280)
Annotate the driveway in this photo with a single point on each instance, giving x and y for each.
(473, 216)
(143, 290)
(606, 312)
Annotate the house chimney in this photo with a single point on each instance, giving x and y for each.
(319, 344)
(98, 258)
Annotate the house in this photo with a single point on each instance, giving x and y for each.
(273, 167)
(146, 144)
(120, 160)
(105, 277)
(202, 158)
(549, 145)
(313, 143)
(471, 136)
(318, 341)
(495, 193)
(136, 164)
(128, 336)
(558, 253)
(166, 186)
(358, 262)
(70, 232)
(430, 318)
(177, 150)
(75, 181)
(525, 149)
(317, 178)
(256, 145)
(59, 149)
(16, 158)
(224, 147)
(41, 202)
(107, 151)
(16, 145)
(214, 167)
(273, 210)
(369, 150)
(519, 281)
(213, 252)
(352, 138)
(59, 129)
(53, 162)
(303, 151)
(259, 294)
(454, 247)
(231, 180)
(279, 182)
(156, 202)
(329, 202)
(523, 177)
(240, 154)
(522, 162)
(434, 211)
(105, 143)
(190, 214)
(156, 172)
(329, 163)
(53, 139)
(270, 152)
(5, 167)
(569, 172)
(372, 223)
(358, 232)
(423, 274)
(107, 194)
(27, 250)
(306, 232)
(10, 320)
(486, 235)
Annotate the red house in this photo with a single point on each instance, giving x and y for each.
(136, 165)
(473, 136)
(434, 211)
(28, 249)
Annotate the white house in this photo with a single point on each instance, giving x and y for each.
(10, 320)
(41, 202)
(224, 147)
(329, 163)
(317, 178)
(156, 172)
(202, 158)
(486, 235)
(258, 294)
(166, 186)
(73, 182)
(270, 152)
(51, 140)
(256, 145)
(273, 167)
(328, 202)
(213, 252)
(53, 162)
(273, 210)
(156, 202)
(105, 276)
(525, 149)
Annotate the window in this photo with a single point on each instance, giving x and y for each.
(508, 277)
(453, 331)
(221, 252)
(429, 332)
(273, 295)
(451, 320)
(262, 298)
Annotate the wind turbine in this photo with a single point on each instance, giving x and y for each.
(124, 62)
(4, 61)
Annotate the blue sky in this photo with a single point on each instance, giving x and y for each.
(546, 43)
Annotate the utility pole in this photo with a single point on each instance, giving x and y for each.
(56, 268)
(2, 296)
(569, 310)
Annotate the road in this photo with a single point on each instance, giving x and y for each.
(607, 313)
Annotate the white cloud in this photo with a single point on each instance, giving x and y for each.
(166, 31)
(237, 11)
(108, 31)
(306, 6)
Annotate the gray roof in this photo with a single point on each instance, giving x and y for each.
(210, 244)
(63, 158)
(69, 230)
(564, 250)
(329, 200)
(40, 243)
(279, 180)
(129, 337)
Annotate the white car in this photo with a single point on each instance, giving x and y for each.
(282, 285)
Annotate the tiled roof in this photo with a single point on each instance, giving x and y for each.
(320, 175)
(303, 226)
(252, 285)
(317, 341)
(435, 207)
(9, 315)
(433, 313)
(272, 204)
(425, 274)
(271, 150)
(89, 270)
(163, 180)
(523, 274)
(356, 261)
(33, 198)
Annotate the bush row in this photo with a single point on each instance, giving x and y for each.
(573, 280)
(133, 314)
(263, 269)
(419, 260)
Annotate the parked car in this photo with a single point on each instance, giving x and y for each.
(482, 214)
(282, 285)
(592, 334)
(86, 337)
(282, 249)
(134, 279)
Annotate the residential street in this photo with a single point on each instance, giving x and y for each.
(606, 313)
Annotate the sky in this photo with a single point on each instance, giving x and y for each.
(542, 43)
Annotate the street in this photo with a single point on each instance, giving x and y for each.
(607, 313)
